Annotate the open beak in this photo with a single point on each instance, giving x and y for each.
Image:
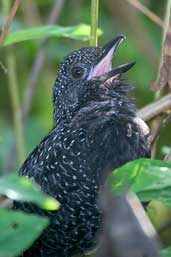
(103, 69)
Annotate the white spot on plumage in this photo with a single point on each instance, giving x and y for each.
(50, 147)
(66, 183)
(47, 156)
(55, 137)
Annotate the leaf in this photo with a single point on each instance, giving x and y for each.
(150, 179)
(18, 231)
(79, 32)
(23, 189)
(158, 213)
(166, 252)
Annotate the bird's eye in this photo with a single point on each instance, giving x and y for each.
(77, 72)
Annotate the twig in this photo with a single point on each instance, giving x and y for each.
(2, 66)
(163, 80)
(152, 110)
(39, 61)
(164, 103)
(94, 22)
(168, 157)
(159, 129)
(55, 11)
(13, 90)
(33, 78)
(120, 11)
(164, 77)
(125, 225)
(9, 21)
(31, 13)
(152, 16)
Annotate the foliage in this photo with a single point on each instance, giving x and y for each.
(79, 32)
(15, 224)
(18, 231)
(149, 179)
(22, 189)
(166, 252)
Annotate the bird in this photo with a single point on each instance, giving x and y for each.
(95, 131)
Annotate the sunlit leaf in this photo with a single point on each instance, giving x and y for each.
(79, 32)
(18, 231)
(150, 179)
(22, 189)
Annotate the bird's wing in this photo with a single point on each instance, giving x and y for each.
(55, 162)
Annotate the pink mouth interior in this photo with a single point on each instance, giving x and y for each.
(105, 65)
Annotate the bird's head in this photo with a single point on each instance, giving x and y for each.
(86, 75)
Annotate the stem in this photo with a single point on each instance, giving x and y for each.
(161, 80)
(143, 9)
(13, 89)
(9, 21)
(94, 22)
(154, 109)
(166, 22)
(33, 78)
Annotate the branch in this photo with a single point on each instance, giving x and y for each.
(143, 9)
(16, 107)
(9, 21)
(128, 17)
(160, 128)
(152, 110)
(168, 157)
(3, 68)
(13, 87)
(125, 225)
(164, 78)
(39, 61)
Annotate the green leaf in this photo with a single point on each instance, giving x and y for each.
(22, 189)
(18, 231)
(166, 252)
(158, 213)
(150, 179)
(79, 32)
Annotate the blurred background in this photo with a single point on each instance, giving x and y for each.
(143, 45)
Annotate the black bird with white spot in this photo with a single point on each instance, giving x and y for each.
(95, 131)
